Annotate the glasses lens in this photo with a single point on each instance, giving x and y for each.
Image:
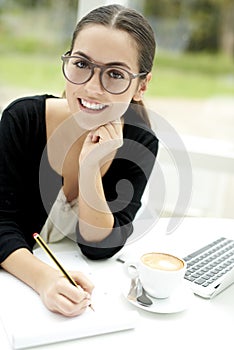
(77, 70)
(115, 80)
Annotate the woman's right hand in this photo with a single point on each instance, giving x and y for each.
(56, 292)
(60, 296)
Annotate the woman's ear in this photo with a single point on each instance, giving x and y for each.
(142, 88)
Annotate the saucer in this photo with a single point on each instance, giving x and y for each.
(179, 301)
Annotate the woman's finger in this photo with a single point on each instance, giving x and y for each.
(83, 281)
(107, 132)
(74, 294)
(67, 308)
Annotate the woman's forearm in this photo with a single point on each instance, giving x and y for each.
(26, 267)
(95, 218)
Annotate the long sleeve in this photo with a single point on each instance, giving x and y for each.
(124, 184)
(22, 139)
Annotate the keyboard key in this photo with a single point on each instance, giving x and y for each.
(200, 281)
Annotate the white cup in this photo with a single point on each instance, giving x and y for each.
(160, 273)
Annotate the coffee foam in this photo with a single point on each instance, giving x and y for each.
(161, 261)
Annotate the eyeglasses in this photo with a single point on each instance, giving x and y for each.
(79, 70)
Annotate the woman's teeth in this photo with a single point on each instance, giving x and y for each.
(93, 106)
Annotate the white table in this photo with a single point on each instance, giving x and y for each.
(206, 324)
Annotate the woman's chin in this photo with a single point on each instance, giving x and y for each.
(91, 121)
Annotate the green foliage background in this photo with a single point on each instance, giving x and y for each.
(34, 34)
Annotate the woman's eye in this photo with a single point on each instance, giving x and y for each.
(116, 74)
(80, 64)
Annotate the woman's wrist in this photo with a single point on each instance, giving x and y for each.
(28, 268)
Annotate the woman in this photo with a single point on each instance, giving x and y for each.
(85, 159)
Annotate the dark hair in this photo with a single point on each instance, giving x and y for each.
(129, 20)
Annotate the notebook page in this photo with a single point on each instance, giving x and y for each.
(28, 322)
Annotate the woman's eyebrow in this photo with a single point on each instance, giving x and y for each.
(115, 63)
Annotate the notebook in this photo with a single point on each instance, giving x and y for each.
(29, 323)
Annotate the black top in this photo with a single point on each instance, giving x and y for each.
(29, 186)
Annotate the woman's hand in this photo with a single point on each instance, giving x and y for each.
(56, 292)
(101, 143)
(60, 296)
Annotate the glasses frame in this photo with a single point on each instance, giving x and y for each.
(65, 57)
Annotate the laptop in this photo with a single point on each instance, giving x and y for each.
(210, 269)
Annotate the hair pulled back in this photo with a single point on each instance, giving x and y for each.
(136, 25)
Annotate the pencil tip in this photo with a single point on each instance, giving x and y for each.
(91, 307)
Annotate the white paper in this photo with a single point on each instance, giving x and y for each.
(28, 322)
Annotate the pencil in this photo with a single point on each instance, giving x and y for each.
(46, 248)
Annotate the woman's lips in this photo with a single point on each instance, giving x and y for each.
(89, 106)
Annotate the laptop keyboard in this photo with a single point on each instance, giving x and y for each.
(211, 262)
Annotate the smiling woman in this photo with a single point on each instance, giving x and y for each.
(77, 166)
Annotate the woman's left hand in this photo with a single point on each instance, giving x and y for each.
(101, 143)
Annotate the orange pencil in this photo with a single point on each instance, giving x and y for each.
(44, 246)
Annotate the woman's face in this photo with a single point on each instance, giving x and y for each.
(90, 102)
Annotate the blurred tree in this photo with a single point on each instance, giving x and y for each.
(226, 27)
(212, 21)
(165, 8)
(214, 25)
(36, 25)
(45, 3)
(205, 19)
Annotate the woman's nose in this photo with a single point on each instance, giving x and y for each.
(94, 84)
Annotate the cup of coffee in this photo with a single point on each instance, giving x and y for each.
(160, 273)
